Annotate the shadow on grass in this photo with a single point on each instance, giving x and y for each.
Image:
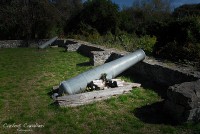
(84, 64)
(154, 114)
(51, 95)
(54, 105)
(63, 51)
(51, 92)
(146, 83)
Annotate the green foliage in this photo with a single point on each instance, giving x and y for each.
(123, 41)
(179, 39)
(152, 5)
(147, 24)
(187, 10)
(99, 14)
(33, 19)
(104, 77)
(137, 18)
(185, 30)
(127, 23)
(86, 30)
(176, 52)
(147, 43)
(132, 42)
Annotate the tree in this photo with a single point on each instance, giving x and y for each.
(178, 39)
(66, 8)
(127, 22)
(143, 13)
(102, 15)
(152, 5)
(30, 19)
(187, 10)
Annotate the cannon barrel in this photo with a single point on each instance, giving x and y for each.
(46, 44)
(112, 69)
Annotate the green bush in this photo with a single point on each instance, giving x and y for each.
(123, 41)
(103, 15)
(133, 42)
(147, 43)
(176, 52)
(179, 39)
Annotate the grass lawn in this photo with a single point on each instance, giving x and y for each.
(27, 76)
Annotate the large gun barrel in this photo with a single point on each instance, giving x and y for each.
(111, 69)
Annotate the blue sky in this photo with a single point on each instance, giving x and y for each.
(175, 3)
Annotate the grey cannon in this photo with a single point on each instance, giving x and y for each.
(112, 69)
(46, 44)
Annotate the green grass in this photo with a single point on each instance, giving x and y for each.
(27, 76)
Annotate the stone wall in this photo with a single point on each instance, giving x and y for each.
(158, 71)
(28, 43)
(87, 50)
(166, 75)
(183, 95)
(100, 57)
(84, 48)
(183, 90)
(20, 43)
(150, 67)
(183, 101)
(98, 54)
(59, 42)
(12, 43)
(73, 47)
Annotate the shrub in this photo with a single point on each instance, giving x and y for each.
(147, 43)
(123, 41)
(180, 39)
(133, 42)
(103, 15)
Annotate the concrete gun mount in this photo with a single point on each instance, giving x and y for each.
(111, 69)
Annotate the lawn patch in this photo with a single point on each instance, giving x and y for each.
(27, 76)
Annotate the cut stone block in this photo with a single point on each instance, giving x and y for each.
(183, 102)
(100, 57)
(186, 94)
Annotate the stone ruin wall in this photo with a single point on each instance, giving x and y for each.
(27, 43)
(183, 82)
(150, 67)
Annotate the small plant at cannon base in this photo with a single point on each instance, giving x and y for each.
(97, 84)
(91, 87)
(103, 77)
(103, 83)
(108, 82)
